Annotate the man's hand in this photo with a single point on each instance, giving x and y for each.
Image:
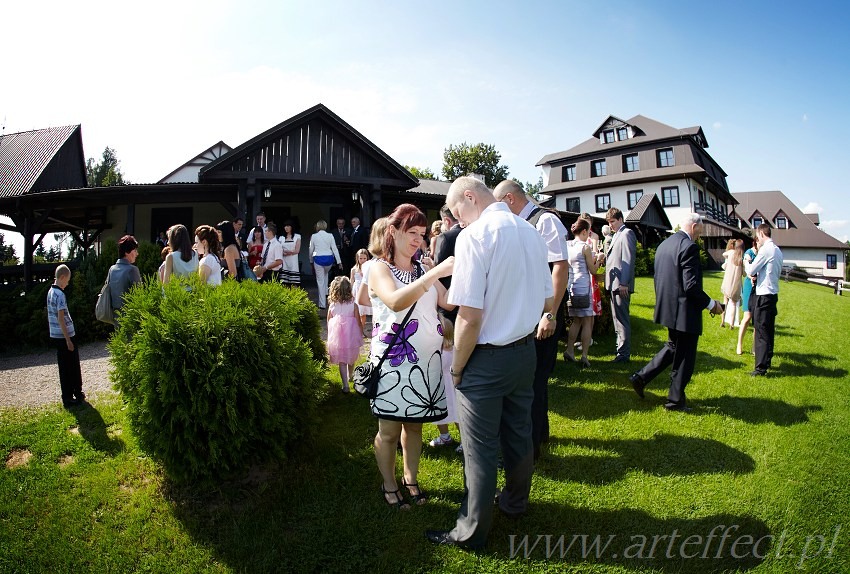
(545, 328)
(717, 307)
(70, 344)
(624, 291)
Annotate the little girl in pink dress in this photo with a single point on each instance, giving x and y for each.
(345, 335)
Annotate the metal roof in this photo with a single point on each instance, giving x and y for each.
(25, 155)
(649, 211)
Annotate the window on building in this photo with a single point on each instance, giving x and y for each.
(670, 196)
(574, 204)
(781, 223)
(634, 196)
(831, 261)
(665, 158)
(599, 168)
(603, 202)
(608, 136)
(568, 173)
(631, 162)
(623, 134)
(757, 221)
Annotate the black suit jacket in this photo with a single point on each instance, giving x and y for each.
(339, 238)
(679, 298)
(359, 239)
(445, 248)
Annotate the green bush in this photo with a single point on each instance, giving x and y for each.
(218, 378)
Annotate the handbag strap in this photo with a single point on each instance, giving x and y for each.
(395, 336)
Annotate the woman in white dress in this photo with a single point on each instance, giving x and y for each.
(411, 389)
(208, 248)
(323, 254)
(182, 261)
(291, 243)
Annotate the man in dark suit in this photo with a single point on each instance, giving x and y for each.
(679, 302)
(342, 238)
(359, 236)
(445, 247)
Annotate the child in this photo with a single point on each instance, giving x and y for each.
(63, 337)
(445, 439)
(356, 280)
(345, 336)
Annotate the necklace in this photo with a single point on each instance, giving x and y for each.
(406, 277)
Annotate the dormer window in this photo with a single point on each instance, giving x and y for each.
(622, 134)
(568, 173)
(608, 136)
(757, 221)
(781, 223)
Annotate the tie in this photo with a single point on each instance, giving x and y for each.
(266, 252)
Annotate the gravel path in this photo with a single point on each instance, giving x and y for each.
(33, 380)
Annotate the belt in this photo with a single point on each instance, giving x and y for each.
(517, 343)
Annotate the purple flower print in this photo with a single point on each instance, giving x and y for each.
(402, 349)
(440, 329)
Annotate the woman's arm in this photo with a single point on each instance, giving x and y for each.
(443, 297)
(362, 295)
(589, 259)
(398, 298)
(351, 277)
(169, 268)
(203, 271)
(231, 254)
(297, 249)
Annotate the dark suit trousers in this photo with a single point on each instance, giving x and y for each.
(764, 326)
(70, 376)
(547, 354)
(681, 352)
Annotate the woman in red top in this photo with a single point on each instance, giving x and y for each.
(255, 251)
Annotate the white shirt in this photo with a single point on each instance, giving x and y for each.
(212, 263)
(275, 252)
(322, 243)
(492, 255)
(553, 232)
(767, 267)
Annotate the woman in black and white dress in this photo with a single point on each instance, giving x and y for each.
(290, 274)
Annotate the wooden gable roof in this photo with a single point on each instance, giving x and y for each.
(648, 211)
(39, 160)
(188, 172)
(315, 146)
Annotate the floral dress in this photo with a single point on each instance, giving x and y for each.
(411, 387)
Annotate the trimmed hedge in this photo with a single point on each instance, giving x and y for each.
(218, 378)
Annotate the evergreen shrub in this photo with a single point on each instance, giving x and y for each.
(218, 378)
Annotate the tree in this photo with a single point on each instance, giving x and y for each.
(532, 189)
(424, 173)
(7, 253)
(40, 254)
(105, 172)
(481, 158)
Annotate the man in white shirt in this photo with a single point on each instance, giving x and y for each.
(502, 286)
(272, 257)
(554, 234)
(766, 268)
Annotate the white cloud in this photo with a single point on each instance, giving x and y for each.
(813, 207)
(805, 117)
(717, 125)
(838, 228)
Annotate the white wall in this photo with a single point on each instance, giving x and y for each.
(813, 260)
(620, 197)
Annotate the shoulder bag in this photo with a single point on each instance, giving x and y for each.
(367, 375)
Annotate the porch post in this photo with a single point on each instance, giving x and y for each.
(131, 219)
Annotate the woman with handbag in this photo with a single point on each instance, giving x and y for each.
(408, 336)
(582, 268)
(323, 254)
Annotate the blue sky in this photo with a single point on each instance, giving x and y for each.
(161, 81)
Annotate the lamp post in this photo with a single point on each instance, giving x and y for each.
(267, 192)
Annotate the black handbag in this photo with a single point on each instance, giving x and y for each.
(366, 376)
(579, 301)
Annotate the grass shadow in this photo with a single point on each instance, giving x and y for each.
(809, 365)
(757, 410)
(605, 461)
(93, 429)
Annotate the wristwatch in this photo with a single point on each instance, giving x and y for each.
(549, 316)
(453, 373)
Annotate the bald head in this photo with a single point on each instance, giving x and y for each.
(467, 198)
(510, 193)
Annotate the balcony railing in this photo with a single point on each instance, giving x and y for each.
(716, 214)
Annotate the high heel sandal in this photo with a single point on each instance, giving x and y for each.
(418, 499)
(400, 503)
(571, 359)
(585, 363)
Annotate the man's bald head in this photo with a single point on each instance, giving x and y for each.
(467, 198)
(510, 193)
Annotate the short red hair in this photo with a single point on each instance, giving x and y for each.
(402, 218)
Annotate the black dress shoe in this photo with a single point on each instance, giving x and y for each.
(758, 373)
(71, 403)
(677, 407)
(620, 359)
(442, 538)
(638, 384)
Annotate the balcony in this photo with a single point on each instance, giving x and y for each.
(712, 212)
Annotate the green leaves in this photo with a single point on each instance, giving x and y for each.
(480, 158)
(217, 378)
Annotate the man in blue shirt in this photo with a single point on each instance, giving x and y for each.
(766, 267)
(63, 337)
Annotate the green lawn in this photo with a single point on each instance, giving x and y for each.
(761, 458)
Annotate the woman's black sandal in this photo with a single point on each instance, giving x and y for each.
(400, 503)
(418, 499)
